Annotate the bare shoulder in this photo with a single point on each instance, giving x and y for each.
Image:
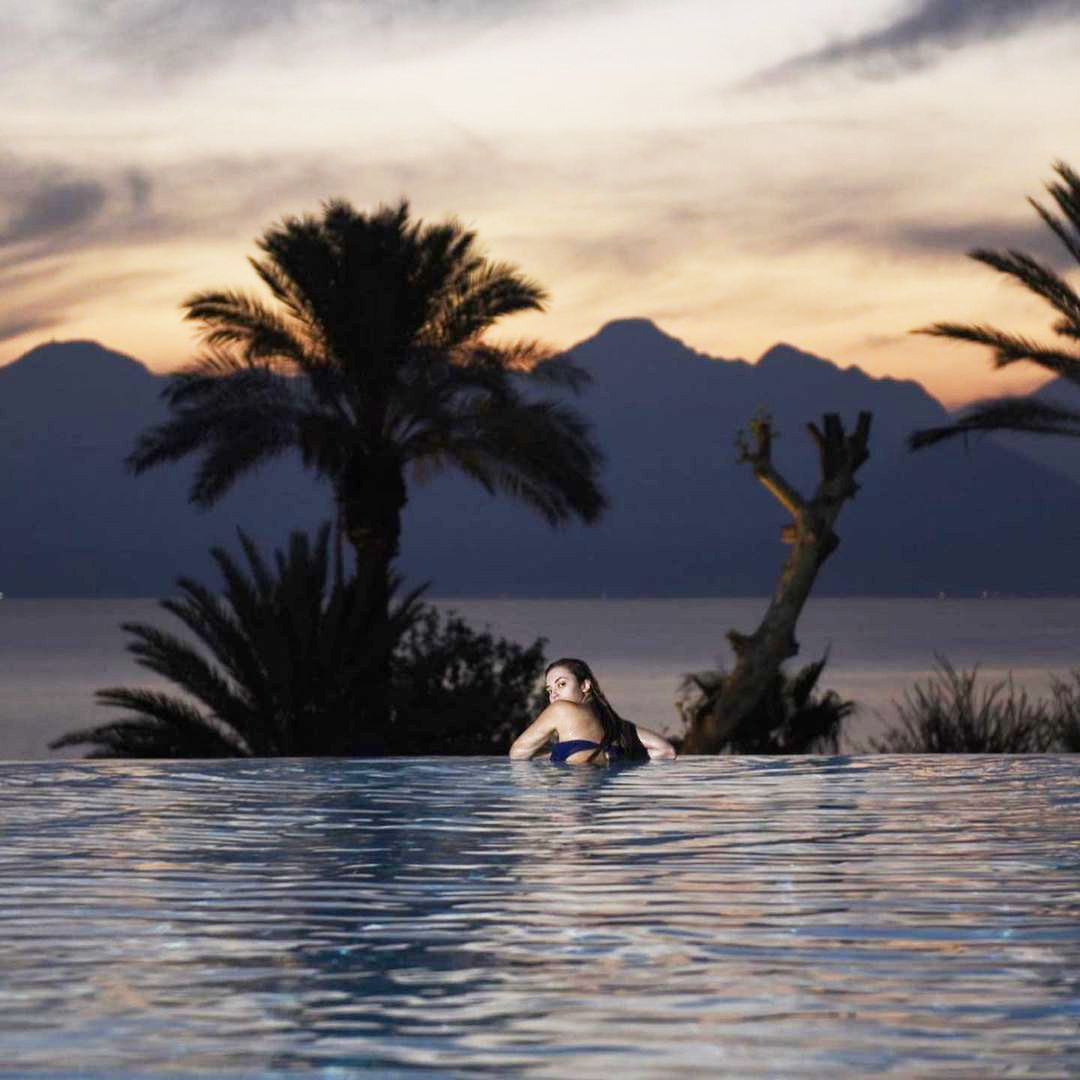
(564, 711)
(558, 715)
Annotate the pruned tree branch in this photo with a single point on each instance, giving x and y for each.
(810, 533)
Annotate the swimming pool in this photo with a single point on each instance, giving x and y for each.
(408, 917)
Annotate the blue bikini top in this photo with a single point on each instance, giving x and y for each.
(562, 750)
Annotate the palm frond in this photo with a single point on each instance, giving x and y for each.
(802, 683)
(1008, 348)
(1035, 276)
(234, 318)
(477, 300)
(241, 446)
(1004, 414)
(208, 411)
(180, 663)
(538, 452)
(561, 371)
(164, 727)
(1017, 414)
(218, 625)
(1066, 194)
(1058, 228)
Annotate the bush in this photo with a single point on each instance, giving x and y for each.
(951, 715)
(790, 719)
(460, 691)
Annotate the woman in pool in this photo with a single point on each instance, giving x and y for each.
(587, 730)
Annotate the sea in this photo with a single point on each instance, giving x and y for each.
(55, 653)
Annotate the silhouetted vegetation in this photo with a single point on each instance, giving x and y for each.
(371, 363)
(461, 691)
(790, 718)
(746, 691)
(372, 359)
(290, 663)
(952, 714)
(1058, 358)
(1066, 712)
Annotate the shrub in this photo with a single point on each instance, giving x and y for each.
(1066, 712)
(461, 691)
(790, 719)
(951, 715)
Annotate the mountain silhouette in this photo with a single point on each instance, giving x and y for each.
(685, 518)
(76, 522)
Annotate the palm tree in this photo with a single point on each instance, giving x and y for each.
(289, 665)
(372, 358)
(1060, 358)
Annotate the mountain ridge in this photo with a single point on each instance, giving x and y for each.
(686, 519)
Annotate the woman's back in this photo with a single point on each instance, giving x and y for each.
(586, 728)
(578, 731)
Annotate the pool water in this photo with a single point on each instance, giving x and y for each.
(412, 917)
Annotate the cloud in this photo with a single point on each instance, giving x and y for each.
(59, 227)
(927, 238)
(175, 35)
(1032, 238)
(51, 205)
(919, 38)
(174, 39)
(46, 297)
(17, 325)
(140, 187)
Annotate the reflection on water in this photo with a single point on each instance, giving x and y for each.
(744, 916)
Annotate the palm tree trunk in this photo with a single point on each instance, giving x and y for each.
(758, 656)
(370, 506)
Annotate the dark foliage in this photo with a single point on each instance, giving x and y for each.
(951, 714)
(1058, 357)
(370, 361)
(1066, 712)
(292, 665)
(790, 719)
(461, 691)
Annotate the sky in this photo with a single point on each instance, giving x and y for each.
(807, 171)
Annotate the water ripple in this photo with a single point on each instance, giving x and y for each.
(773, 917)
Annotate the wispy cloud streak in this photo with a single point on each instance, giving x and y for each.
(175, 39)
(53, 206)
(920, 38)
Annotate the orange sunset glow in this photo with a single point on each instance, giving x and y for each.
(808, 171)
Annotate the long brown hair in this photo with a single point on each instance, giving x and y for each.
(618, 733)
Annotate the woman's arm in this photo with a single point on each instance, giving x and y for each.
(535, 736)
(657, 745)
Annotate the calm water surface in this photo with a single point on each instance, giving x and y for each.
(750, 917)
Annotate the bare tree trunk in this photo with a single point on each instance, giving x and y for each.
(758, 656)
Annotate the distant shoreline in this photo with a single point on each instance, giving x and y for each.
(436, 598)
